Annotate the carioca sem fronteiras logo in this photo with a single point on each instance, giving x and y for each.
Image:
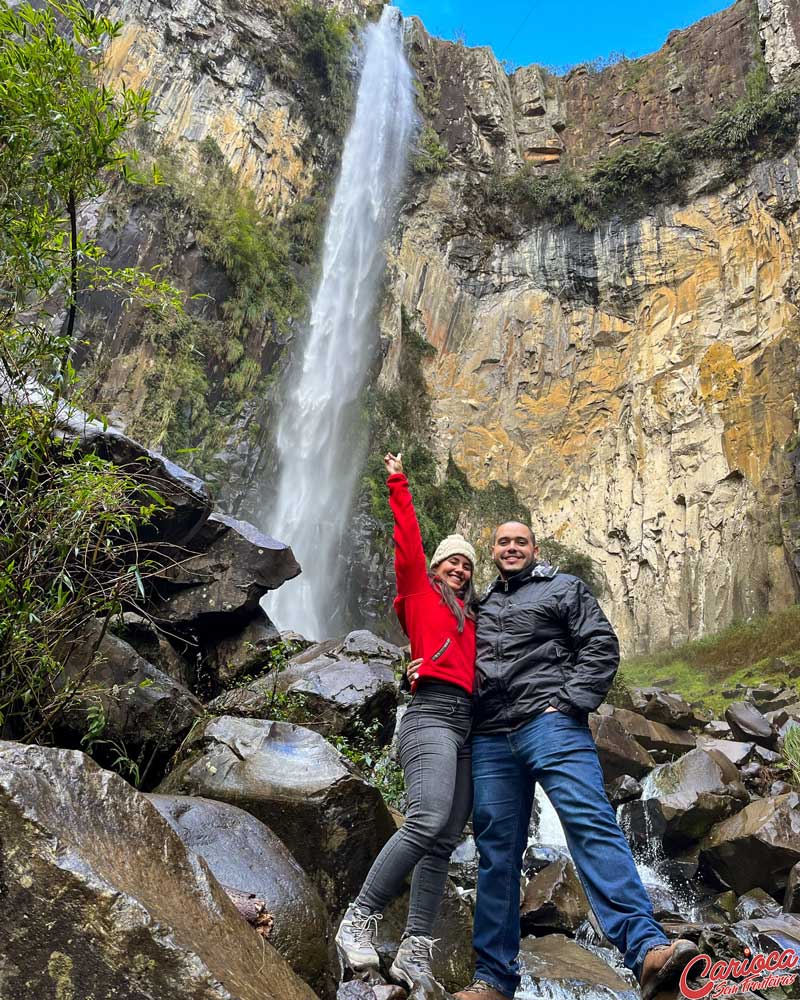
(727, 978)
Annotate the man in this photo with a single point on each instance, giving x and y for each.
(546, 657)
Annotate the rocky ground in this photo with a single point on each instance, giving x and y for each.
(264, 772)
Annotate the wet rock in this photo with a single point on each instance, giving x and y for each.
(538, 856)
(452, 956)
(556, 966)
(355, 990)
(665, 905)
(220, 585)
(337, 692)
(642, 822)
(669, 709)
(618, 751)
(463, 866)
(142, 709)
(791, 898)
(137, 914)
(722, 908)
(755, 904)
(623, 789)
(779, 788)
(554, 901)
(332, 821)
(244, 854)
(762, 935)
(756, 847)
(748, 724)
(736, 752)
(654, 735)
(243, 652)
(693, 793)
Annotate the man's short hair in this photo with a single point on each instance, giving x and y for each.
(527, 527)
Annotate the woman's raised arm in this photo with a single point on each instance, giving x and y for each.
(410, 564)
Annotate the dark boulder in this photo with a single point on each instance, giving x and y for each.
(333, 822)
(218, 586)
(244, 854)
(669, 709)
(654, 735)
(185, 496)
(130, 702)
(748, 724)
(619, 752)
(176, 656)
(757, 846)
(623, 789)
(791, 898)
(101, 898)
(246, 651)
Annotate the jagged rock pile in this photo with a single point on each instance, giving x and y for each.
(252, 807)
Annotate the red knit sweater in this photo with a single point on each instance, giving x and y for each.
(447, 654)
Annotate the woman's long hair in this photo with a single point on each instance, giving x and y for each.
(467, 595)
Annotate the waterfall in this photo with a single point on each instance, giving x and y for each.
(318, 432)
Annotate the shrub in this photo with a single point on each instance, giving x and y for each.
(430, 156)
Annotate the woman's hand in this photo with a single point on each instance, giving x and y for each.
(393, 463)
(412, 670)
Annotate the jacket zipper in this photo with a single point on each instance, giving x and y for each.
(441, 651)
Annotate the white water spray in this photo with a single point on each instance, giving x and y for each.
(319, 459)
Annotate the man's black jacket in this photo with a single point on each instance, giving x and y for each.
(542, 640)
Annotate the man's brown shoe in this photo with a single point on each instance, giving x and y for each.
(479, 989)
(663, 965)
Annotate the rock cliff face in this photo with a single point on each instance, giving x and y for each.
(637, 384)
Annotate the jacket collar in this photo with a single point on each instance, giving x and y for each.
(541, 570)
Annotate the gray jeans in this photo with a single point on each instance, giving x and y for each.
(434, 751)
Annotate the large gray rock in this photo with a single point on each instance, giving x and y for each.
(748, 724)
(102, 899)
(791, 898)
(736, 751)
(618, 751)
(654, 735)
(219, 586)
(555, 966)
(143, 709)
(347, 687)
(333, 822)
(452, 956)
(244, 854)
(756, 847)
(755, 905)
(554, 901)
(694, 792)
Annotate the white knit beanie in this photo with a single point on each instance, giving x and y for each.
(453, 545)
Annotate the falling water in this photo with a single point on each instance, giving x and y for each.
(319, 460)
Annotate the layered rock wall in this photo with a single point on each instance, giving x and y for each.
(635, 384)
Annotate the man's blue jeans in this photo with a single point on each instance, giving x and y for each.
(558, 751)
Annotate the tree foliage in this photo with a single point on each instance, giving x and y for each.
(69, 521)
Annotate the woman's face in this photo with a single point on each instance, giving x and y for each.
(455, 571)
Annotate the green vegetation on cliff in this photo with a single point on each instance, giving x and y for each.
(633, 179)
(763, 649)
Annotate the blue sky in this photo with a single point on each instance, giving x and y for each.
(557, 35)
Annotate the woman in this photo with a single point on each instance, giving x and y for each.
(436, 611)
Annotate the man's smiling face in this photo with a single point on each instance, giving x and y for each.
(514, 547)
